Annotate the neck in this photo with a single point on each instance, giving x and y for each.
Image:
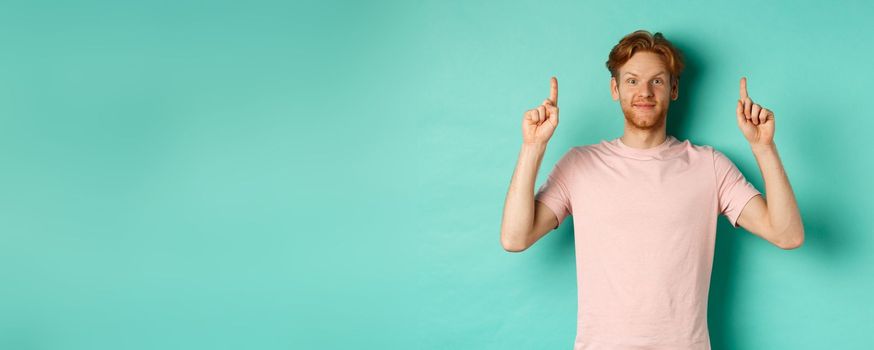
(643, 139)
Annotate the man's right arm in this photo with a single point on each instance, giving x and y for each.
(525, 220)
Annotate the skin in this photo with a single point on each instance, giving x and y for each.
(776, 219)
(539, 123)
(523, 221)
(643, 79)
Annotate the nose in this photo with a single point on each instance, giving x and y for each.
(646, 90)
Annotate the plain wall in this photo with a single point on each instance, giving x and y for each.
(331, 175)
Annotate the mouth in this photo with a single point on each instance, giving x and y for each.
(644, 106)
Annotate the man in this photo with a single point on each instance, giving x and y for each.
(645, 205)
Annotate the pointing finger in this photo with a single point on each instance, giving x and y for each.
(553, 91)
(743, 88)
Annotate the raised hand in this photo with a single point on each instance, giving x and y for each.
(755, 121)
(539, 123)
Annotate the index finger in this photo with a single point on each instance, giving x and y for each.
(743, 88)
(553, 91)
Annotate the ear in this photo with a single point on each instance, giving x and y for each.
(614, 88)
(675, 89)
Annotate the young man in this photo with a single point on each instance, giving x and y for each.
(645, 205)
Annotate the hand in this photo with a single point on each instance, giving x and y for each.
(539, 123)
(755, 121)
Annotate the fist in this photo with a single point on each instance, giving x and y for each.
(539, 123)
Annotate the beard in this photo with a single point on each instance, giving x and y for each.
(644, 120)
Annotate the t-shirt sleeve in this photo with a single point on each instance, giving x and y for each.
(554, 192)
(733, 189)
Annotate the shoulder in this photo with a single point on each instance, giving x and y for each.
(591, 150)
(697, 148)
(721, 162)
(575, 157)
(583, 153)
(704, 151)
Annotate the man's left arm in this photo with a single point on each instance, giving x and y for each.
(778, 219)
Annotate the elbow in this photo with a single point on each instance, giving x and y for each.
(790, 245)
(510, 246)
(796, 240)
(514, 249)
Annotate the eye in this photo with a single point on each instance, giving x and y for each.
(658, 81)
(631, 81)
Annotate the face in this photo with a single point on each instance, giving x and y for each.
(644, 90)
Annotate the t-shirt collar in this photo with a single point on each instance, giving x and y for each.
(646, 153)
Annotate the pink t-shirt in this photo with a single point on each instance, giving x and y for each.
(644, 228)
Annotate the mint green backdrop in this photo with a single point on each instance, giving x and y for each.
(330, 175)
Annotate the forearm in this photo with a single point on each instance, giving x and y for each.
(518, 217)
(783, 213)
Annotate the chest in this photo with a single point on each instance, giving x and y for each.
(636, 194)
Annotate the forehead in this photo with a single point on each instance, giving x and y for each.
(644, 64)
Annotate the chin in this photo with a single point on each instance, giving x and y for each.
(645, 122)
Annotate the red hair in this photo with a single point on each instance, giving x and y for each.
(642, 40)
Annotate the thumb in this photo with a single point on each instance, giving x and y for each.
(553, 115)
(740, 113)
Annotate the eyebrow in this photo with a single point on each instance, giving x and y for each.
(657, 74)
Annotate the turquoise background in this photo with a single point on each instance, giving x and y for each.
(331, 175)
